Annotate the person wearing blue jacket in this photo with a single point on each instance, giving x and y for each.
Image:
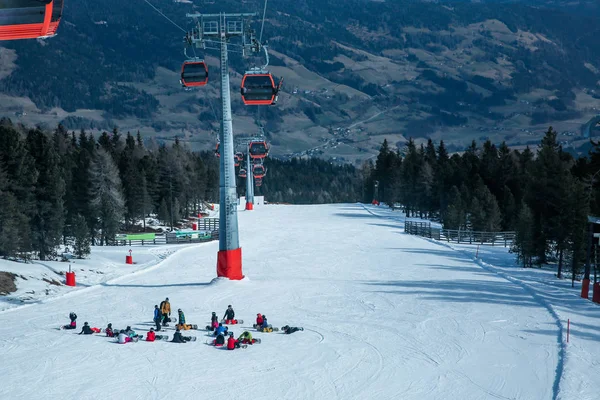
(221, 330)
(157, 317)
(265, 327)
(180, 317)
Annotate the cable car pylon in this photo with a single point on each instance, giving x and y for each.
(213, 30)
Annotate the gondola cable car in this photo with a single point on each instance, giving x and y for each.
(259, 171)
(194, 73)
(258, 86)
(258, 149)
(243, 173)
(29, 19)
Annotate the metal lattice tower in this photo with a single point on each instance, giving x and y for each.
(213, 30)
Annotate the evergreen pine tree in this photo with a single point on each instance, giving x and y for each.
(524, 245)
(82, 238)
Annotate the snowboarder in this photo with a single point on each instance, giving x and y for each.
(87, 330)
(259, 319)
(221, 330)
(177, 337)
(291, 329)
(229, 314)
(246, 338)
(220, 340)
(131, 333)
(151, 336)
(232, 344)
(165, 309)
(157, 317)
(181, 324)
(73, 324)
(214, 321)
(124, 338)
(109, 331)
(265, 327)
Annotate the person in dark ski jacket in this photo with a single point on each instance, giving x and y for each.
(86, 330)
(157, 317)
(232, 343)
(165, 309)
(229, 314)
(291, 329)
(180, 317)
(220, 340)
(221, 330)
(73, 324)
(178, 337)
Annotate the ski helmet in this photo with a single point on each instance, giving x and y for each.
(229, 306)
(85, 323)
(214, 313)
(128, 328)
(230, 333)
(179, 310)
(151, 329)
(110, 325)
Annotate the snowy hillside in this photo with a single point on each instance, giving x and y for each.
(386, 315)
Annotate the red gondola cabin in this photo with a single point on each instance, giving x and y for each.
(259, 171)
(29, 19)
(242, 173)
(194, 73)
(258, 149)
(259, 90)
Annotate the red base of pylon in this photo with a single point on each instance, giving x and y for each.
(596, 295)
(249, 206)
(229, 264)
(585, 288)
(128, 259)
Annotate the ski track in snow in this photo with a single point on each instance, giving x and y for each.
(385, 315)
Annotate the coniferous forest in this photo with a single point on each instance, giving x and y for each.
(542, 194)
(74, 189)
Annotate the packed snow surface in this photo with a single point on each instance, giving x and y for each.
(385, 316)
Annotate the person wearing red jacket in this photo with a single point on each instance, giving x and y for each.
(232, 344)
(259, 319)
(151, 336)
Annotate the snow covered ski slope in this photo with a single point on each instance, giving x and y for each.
(385, 316)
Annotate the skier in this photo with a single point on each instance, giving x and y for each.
(220, 340)
(214, 321)
(221, 330)
(87, 330)
(109, 331)
(229, 315)
(165, 309)
(232, 343)
(177, 337)
(151, 336)
(259, 319)
(246, 338)
(73, 324)
(157, 316)
(291, 329)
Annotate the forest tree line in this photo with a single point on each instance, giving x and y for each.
(544, 196)
(67, 188)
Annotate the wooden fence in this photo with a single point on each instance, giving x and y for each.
(459, 236)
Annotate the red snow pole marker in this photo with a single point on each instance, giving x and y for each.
(194, 226)
(129, 258)
(70, 277)
(568, 329)
(585, 288)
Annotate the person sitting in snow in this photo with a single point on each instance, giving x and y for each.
(232, 343)
(229, 314)
(221, 330)
(220, 340)
(214, 321)
(259, 319)
(109, 331)
(131, 333)
(123, 337)
(291, 329)
(151, 336)
(181, 324)
(246, 338)
(265, 327)
(73, 324)
(87, 330)
(178, 337)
